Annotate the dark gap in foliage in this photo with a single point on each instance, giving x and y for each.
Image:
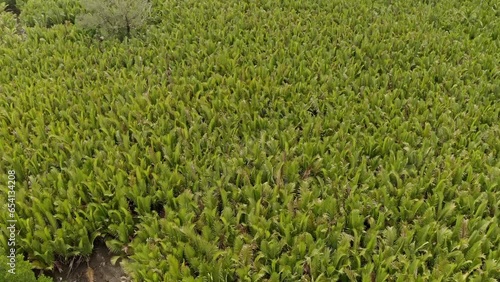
(132, 207)
(12, 8)
(159, 208)
(220, 206)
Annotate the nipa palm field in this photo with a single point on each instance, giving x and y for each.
(252, 140)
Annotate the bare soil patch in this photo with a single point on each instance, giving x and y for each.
(97, 268)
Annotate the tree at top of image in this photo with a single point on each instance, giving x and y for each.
(114, 17)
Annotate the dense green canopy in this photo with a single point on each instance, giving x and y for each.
(258, 140)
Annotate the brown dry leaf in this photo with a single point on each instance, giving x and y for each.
(306, 173)
(90, 274)
(58, 266)
(306, 269)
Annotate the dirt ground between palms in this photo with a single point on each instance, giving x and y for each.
(98, 268)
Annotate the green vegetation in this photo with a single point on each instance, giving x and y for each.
(23, 272)
(47, 13)
(261, 140)
(115, 17)
(7, 23)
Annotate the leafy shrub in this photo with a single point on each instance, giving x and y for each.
(115, 17)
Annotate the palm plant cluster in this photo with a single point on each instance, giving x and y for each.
(261, 140)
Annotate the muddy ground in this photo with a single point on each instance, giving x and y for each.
(98, 268)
